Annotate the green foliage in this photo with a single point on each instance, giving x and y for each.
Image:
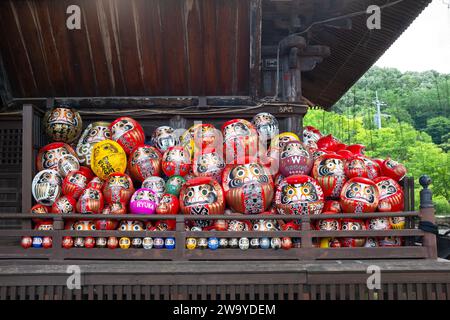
(438, 128)
(397, 140)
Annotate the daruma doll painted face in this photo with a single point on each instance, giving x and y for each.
(209, 163)
(266, 125)
(118, 188)
(64, 204)
(108, 157)
(144, 161)
(128, 133)
(310, 136)
(164, 138)
(352, 225)
(248, 187)
(328, 170)
(393, 169)
(295, 159)
(391, 195)
(361, 166)
(46, 187)
(90, 201)
(240, 140)
(62, 124)
(176, 161)
(95, 132)
(49, 155)
(74, 184)
(202, 196)
(156, 184)
(359, 195)
(299, 195)
(143, 201)
(169, 204)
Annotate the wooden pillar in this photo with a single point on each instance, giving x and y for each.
(427, 215)
(27, 160)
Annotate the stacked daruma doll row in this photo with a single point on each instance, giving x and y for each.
(244, 168)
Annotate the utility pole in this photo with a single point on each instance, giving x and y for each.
(378, 104)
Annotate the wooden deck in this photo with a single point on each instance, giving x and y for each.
(274, 280)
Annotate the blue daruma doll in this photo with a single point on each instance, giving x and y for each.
(144, 201)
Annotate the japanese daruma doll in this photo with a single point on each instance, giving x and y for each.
(393, 169)
(240, 140)
(295, 159)
(74, 183)
(328, 170)
(62, 124)
(176, 161)
(310, 136)
(266, 125)
(143, 201)
(248, 187)
(300, 195)
(46, 187)
(202, 196)
(64, 204)
(90, 201)
(169, 204)
(128, 133)
(361, 166)
(206, 136)
(163, 138)
(156, 184)
(209, 163)
(108, 157)
(391, 195)
(49, 155)
(144, 161)
(118, 188)
(95, 132)
(359, 195)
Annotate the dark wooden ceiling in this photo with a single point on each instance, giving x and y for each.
(180, 47)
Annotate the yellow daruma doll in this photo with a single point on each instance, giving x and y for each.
(108, 157)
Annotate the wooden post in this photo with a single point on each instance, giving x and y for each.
(27, 160)
(427, 215)
(255, 47)
(180, 238)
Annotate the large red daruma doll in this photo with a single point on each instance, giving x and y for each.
(176, 161)
(328, 170)
(48, 156)
(202, 196)
(74, 183)
(393, 169)
(299, 195)
(144, 161)
(128, 133)
(248, 187)
(359, 195)
(90, 201)
(391, 195)
(118, 188)
(208, 163)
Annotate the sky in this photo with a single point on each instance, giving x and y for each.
(425, 45)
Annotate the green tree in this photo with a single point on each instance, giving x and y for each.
(438, 128)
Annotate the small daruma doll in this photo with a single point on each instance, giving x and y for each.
(144, 161)
(266, 125)
(295, 159)
(74, 183)
(202, 196)
(64, 204)
(118, 188)
(352, 225)
(48, 156)
(108, 157)
(176, 161)
(248, 187)
(90, 201)
(393, 169)
(46, 187)
(328, 170)
(143, 201)
(310, 136)
(209, 163)
(299, 195)
(62, 124)
(164, 138)
(240, 140)
(95, 132)
(128, 133)
(361, 166)
(359, 195)
(391, 195)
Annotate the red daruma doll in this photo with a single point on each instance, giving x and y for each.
(359, 195)
(74, 183)
(128, 133)
(393, 169)
(248, 187)
(295, 159)
(391, 195)
(118, 188)
(240, 140)
(176, 161)
(144, 161)
(202, 196)
(328, 170)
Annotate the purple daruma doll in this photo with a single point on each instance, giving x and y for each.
(143, 201)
